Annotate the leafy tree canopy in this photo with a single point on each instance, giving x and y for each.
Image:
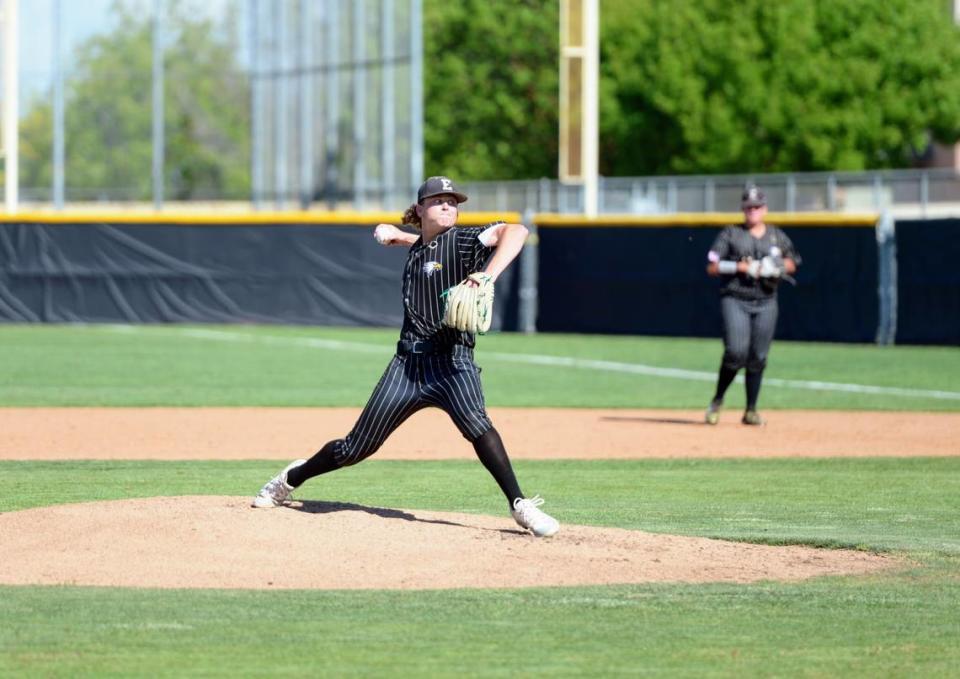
(491, 88)
(710, 86)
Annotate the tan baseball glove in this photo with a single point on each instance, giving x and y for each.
(470, 307)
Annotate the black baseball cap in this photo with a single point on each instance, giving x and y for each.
(753, 197)
(436, 186)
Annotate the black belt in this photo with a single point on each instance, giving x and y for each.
(423, 347)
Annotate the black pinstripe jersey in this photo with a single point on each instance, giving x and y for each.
(735, 243)
(430, 270)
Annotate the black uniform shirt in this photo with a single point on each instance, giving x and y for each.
(735, 243)
(433, 268)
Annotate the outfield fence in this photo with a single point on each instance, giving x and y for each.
(864, 278)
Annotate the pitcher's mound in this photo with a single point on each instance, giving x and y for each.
(220, 542)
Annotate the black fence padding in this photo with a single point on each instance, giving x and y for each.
(156, 273)
(928, 281)
(652, 281)
(835, 299)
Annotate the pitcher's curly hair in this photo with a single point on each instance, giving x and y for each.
(411, 217)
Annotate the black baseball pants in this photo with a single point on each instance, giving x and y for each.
(449, 381)
(748, 328)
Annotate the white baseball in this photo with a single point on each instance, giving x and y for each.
(383, 233)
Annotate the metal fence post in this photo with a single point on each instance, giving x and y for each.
(359, 113)
(887, 278)
(924, 193)
(528, 292)
(501, 197)
(543, 204)
(256, 110)
(279, 106)
(635, 196)
(388, 116)
(530, 196)
(305, 101)
(416, 94)
(331, 116)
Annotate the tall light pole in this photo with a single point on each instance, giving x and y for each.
(58, 124)
(11, 114)
(158, 106)
(579, 92)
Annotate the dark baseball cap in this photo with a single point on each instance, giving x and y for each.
(753, 197)
(436, 186)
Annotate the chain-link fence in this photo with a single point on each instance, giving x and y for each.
(279, 103)
(907, 193)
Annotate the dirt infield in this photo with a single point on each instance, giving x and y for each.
(204, 541)
(287, 433)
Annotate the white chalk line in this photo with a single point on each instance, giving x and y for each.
(539, 359)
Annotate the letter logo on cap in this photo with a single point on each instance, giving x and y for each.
(446, 184)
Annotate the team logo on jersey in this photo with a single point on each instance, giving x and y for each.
(775, 251)
(430, 267)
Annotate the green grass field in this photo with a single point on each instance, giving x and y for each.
(903, 623)
(279, 366)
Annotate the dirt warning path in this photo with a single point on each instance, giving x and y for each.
(288, 433)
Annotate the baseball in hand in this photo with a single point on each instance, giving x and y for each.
(384, 233)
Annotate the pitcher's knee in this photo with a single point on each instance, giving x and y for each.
(354, 449)
(734, 360)
(476, 436)
(756, 364)
(475, 427)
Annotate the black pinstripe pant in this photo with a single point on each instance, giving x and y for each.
(748, 327)
(449, 381)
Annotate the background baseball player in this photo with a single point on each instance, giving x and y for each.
(751, 258)
(434, 364)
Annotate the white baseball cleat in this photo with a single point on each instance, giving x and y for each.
(713, 412)
(526, 512)
(276, 491)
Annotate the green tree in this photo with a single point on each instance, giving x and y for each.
(108, 122)
(491, 88)
(709, 86)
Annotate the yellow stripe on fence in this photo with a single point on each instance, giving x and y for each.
(544, 219)
(705, 219)
(230, 219)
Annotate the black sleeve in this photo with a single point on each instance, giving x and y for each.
(721, 246)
